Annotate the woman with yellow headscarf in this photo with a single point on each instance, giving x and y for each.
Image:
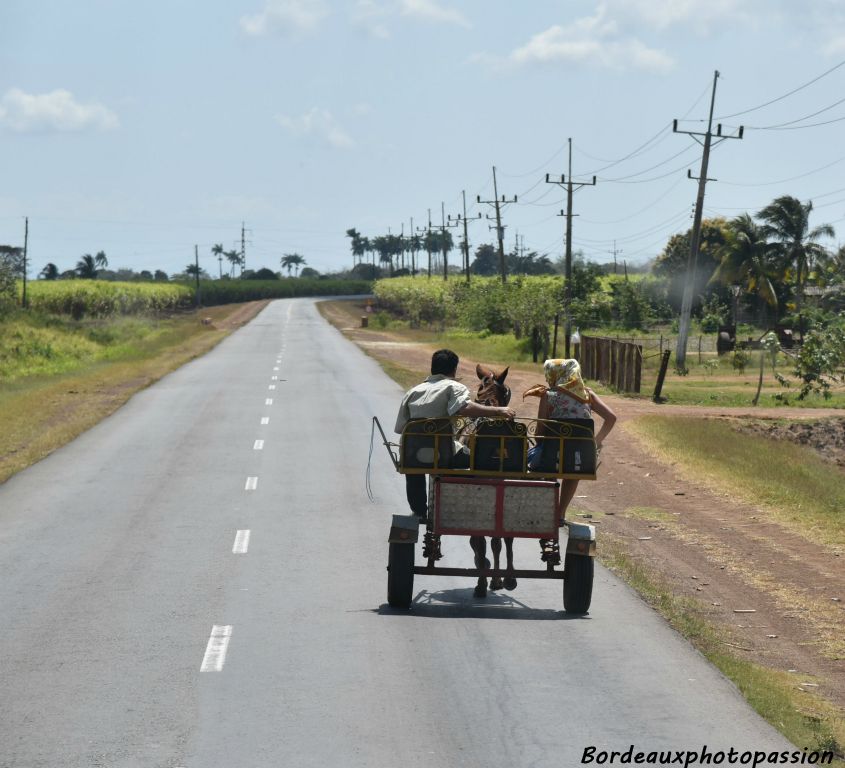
(565, 397)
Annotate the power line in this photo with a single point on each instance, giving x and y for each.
(785, 95)
(796, 120)
(641, 210)
(783, 181)
(653, 167)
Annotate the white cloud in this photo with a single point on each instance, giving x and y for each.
(589, 40)
(319, 123)
(703, 15)
(285, 16)
(371, 17)
(428, 10)
(54, 111)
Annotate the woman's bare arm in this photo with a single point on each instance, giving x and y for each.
(598, 406)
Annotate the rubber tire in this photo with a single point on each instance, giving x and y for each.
(578, 583)
(400, 575)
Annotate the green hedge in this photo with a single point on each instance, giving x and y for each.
(231, 291)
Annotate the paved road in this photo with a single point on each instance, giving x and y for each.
(118, 567)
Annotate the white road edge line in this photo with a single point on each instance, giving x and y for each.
(251, 484)
(258, 445)
(265, 419)
(241, 544)
(215, 652)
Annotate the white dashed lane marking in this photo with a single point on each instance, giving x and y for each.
(274, 378)
(277, 367)
(215, 651)
(265, 419)
(259, 445)
(241, 544)
(251, 484)
(268, 401)
(272, 386)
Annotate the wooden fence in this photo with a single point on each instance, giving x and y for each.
(616, 364)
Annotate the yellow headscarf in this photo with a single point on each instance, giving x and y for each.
(561, 376)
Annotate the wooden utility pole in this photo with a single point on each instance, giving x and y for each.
(197, 264)
(447, 223)
(500, 230)
(615, 251)
(465, 244)
(25, 245)
(695, 237)
(567, 288)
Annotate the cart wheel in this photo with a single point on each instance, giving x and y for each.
(577, 583)
(400, 575)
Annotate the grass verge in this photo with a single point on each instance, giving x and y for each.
(796, 488)
(803, 717)
(41, 413)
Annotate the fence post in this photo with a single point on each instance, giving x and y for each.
(699, 350)
(661, 375)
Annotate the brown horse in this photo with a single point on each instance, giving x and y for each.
(491, 391)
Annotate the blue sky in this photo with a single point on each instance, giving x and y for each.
(142, 129)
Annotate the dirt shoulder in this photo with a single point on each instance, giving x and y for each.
(779, 598)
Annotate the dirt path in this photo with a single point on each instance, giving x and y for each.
(724, 554)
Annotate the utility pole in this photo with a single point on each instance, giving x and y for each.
(567, 295)
(500, 230)
(615, 251)
(197, 264)
(243, 249)
(220, 264)
(411, 242)
(465, 244)
(25, 244)
(446, 223)
(695, 238)
(428, 234)
(402, 243)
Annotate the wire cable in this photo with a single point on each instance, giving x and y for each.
(792, 122)
(786, 95)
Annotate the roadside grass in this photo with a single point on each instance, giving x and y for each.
(40, 413)
(36, 344)
(806, 719)
(794, 486)
(405, 377)
(711, 382)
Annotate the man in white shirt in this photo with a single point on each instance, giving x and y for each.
(440, 396)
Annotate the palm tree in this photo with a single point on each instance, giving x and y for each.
(50, 272)
(787, 222)
(382, 246)
(234, 258)
(430, 245)
(86, 267)
(100, 260)
(358, 244)
(415, 245)
(193, 270)
(746, 260)
(446, 244)
(291, 260)
(217, 250)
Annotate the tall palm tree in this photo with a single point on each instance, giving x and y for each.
(100, 260)
(358, 244)
(787, 224)
(217, 250)
(414, 245)
(50, 272)
(291, 260)
(234, 258)
(446, 243)
(430, 245)
(86, 267)
(747, 260)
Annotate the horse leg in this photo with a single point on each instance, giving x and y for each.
(479, 546)
(510, 580)
(496, 546)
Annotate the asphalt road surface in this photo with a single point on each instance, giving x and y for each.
(140, 628)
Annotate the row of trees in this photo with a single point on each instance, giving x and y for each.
(400, 252)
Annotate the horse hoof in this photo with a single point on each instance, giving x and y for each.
(510, 582)
(480, 591)
(496, 583)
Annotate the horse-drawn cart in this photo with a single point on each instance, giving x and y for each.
(496, 495)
